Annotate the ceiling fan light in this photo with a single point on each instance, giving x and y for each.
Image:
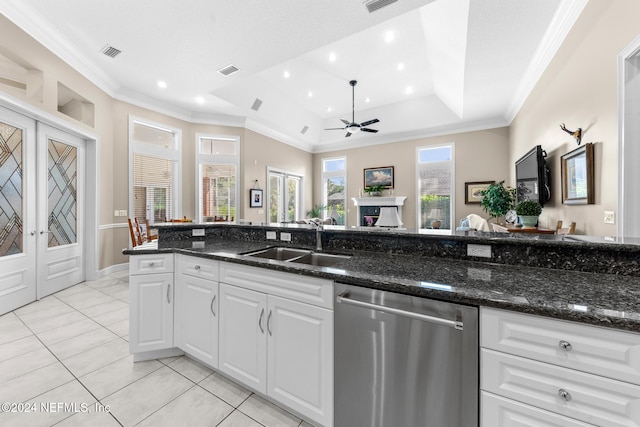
(353, 128)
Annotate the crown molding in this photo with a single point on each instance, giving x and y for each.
(31, 22)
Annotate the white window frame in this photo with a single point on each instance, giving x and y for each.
(334, 174)
(436, 165)
(216, 159)
(174, 154)
(267, 196)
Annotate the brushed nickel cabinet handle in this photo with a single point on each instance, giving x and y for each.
(260, 321)
(564, 395)
(213, 300)
(269, 322)
(565, 345)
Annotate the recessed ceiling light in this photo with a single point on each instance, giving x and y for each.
(199, 100)
(400, 66)
(162, 84)
(329, 109)
(332, 57)
(408, 90)
(310, 94)
(388, 37)
(367, 99)
(286, 74)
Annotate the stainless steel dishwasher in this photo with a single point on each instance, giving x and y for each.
(404, 361)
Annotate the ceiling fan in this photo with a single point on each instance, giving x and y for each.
(351, 126)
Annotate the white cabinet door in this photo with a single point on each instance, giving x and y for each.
(151, 310)
(300, 357)
(243, 336)
(196, 326)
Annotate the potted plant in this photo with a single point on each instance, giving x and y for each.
(529, 211)
(374, 190)
(497, 199)
(316, 211)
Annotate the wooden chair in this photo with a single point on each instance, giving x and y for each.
(571, 229)
(150, 237)
(134, 233)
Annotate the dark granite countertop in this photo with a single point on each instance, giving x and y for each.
(607, 300)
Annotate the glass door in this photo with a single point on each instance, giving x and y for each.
(284, 194)
(17, 210)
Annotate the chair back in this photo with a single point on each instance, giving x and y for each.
(133, 233)
(571, 229)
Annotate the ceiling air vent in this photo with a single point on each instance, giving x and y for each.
(111, 51)
(256, 104)
(373, 5)
(304, 130)
(228, 70)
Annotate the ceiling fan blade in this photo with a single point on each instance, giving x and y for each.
(334, 129)
(347, 135)
(369, 130)
(346, 122)
(369, 122)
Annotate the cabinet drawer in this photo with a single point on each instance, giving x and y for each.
(288, 285)
(156, 263)
(500, 412)
(198, 267)
(602, 351)
(593, 399)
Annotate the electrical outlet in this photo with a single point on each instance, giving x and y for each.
(609, 217)
(271, 235)
(483, 251)
(197, 232)
(285, 237)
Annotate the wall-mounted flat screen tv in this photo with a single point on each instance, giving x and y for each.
(533, 177)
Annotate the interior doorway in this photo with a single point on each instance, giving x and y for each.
(629, 140)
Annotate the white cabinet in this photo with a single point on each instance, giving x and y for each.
(197, 313)
(279, 346)
(300, 357)
(582, 373)
(151, 303)
(243, 341)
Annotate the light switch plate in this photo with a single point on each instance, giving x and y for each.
(609, 217)
(116, 213)
(123, 212)
(196, 232)
(285, 237)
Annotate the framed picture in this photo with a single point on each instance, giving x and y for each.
(473, 191)
(379, 176)
(577, 176)
(255, 198)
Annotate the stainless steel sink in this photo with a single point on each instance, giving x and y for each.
(280, 254)
(301, 256)
(319, 259)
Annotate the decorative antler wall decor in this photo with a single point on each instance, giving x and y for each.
(577, 134)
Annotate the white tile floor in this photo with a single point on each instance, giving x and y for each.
(65, 359)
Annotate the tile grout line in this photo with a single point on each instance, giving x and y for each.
(68, 370)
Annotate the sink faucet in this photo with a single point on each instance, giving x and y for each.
(319, 229)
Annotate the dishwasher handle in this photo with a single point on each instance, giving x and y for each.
(344, 299)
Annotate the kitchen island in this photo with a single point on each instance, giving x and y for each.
(559, 319)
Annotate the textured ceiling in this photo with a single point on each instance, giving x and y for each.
(469, 64)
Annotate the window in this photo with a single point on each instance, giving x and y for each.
(218, 162)
(284, 195)
(435, 188)
(154, 166)
(334, 185)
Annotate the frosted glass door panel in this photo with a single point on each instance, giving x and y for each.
(62, 195)
(11, 218)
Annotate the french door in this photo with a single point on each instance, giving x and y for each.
(41, 210)
(284, 195)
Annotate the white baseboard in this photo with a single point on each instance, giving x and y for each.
(113, 269)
